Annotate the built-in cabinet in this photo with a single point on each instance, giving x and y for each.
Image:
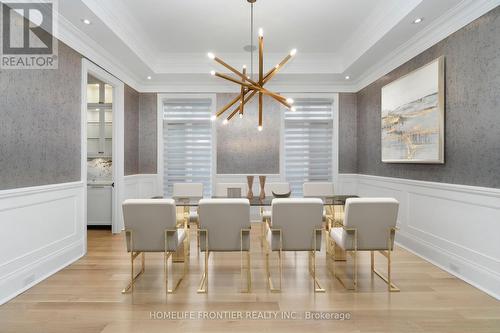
(99, 152)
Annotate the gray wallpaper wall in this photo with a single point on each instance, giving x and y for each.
(241, 149)
(147, 132)
(40, 126)
(131, 140)
(472, 140)
(348, 114)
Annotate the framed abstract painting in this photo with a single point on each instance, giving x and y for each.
(412, 112)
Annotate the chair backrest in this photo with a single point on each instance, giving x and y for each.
(221, 189)
(317, 189)
(297, 218)
(148, 219)
(372, 218)
(224, 219)
(278, 188)
(187, 190)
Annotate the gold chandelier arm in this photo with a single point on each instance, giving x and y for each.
(227, 77)
(247, 99)
(228, 105)
(242, 102)
(260, 109)
(234, 70)
(261, 60)
(276, 69)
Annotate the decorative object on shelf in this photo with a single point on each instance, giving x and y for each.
(250, 87)
(262, 181)
(250, 185)
(413, 116)
(282, 195)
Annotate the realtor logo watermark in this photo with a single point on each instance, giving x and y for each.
(28, 30)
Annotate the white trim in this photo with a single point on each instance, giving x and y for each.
(452, 226)
(141, 186)
(453, 20)
(118, 137)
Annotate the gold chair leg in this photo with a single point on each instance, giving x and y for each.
(170, 254)
(312, 268)
(387, 279)
(280, 265)
(133, 256)
(249, 275)
(354, 254)
(203, 287)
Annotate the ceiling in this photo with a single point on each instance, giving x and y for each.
(168, 39)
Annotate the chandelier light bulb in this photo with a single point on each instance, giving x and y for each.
(259, 128)
(244, 66)
(261, 32)
(213, 117)
(211, 55)
(289, 100)
(212, 73)
(293, 52)
(241, 116)
(293, 109)
(225, 122)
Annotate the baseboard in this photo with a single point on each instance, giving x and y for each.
(489, 282)
(22, 280)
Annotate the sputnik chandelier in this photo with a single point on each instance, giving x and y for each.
(249, 87)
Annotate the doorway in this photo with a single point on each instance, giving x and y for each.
(102, 167)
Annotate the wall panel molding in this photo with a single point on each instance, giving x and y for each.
(455, 227)
(42, 231)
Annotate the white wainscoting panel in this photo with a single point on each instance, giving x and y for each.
(456, 227)
(42, 230)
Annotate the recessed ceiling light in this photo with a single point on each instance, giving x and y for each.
(149, 77)
(347, 77)
(418, 20)
(86, 21)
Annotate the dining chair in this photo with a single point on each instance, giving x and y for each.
(225, 227)
(222, 189)
(188, 191)
(270, 188)
(296, 227)
(151, 226)
(369, 225)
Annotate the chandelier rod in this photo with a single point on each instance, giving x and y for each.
(251, 39)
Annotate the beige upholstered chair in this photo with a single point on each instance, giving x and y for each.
(296, 227)
(222, 189)
(151, 226)
(369, 225)
(225, 227)
(266, 213)
(317, 189)
(188, 191)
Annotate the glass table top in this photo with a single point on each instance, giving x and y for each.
(257, 202)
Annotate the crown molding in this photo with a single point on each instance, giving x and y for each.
(453, 20)
(374, 27)
(87, 47)
(121, 22)
(196, 63)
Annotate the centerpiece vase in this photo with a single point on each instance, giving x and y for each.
(262, 181)
(250, 185)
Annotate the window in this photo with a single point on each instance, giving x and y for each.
(187, 142)
(308, 142)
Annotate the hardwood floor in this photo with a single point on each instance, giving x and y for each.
(85, 297)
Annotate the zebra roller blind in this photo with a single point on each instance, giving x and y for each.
(187, 143)
(308, 142)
